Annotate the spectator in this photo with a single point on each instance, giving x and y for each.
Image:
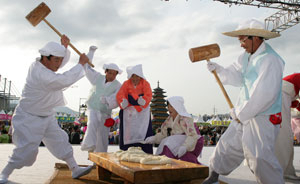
(4, 138)
(75, 135)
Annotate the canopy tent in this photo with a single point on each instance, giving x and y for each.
(218, 122)
(200, 119)
(200, 122)
(2, 115)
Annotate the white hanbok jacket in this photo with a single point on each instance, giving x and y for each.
(180, 126)
(100, 89)
(43, 90)
(264, 91)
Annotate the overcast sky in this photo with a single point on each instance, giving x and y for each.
(155, 33)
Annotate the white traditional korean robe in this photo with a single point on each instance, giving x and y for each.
(254, 138)
(34, 119)
(179, 126)
(96, 136)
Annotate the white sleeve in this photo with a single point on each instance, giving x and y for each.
(112, 100)
(232, 75)
(54, 81)
(265, 89)
(159, 137)
(91, 74)
(66, 58)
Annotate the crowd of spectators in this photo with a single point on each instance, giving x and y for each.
(211, 134)
(5, 132)
(76, 133)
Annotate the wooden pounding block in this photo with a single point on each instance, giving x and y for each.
(178, 171)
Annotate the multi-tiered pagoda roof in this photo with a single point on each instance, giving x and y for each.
(158, 106)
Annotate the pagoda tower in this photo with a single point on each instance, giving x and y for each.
(158, 107)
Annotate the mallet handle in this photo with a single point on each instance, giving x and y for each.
(223, 90)
(55, 30)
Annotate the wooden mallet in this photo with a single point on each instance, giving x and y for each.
(38, 14)
(206, 53)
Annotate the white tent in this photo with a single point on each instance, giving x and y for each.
(210, 120)
(217, 118)
(200, 119)
(194, 118)
(65, 110)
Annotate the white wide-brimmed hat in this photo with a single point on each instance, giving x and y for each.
(177, 103)
(112, 66)
(252, 27)
(137, 70)
(54, 49)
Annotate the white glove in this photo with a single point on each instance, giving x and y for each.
(211, 66)
(150, 140)
(233, 114)
(103, 100)
(181, 151)
(124, 103)
(141, 101)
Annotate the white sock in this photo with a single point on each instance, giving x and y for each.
(72, 163)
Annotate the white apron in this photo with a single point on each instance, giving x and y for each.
(135, 124)
(172, 142)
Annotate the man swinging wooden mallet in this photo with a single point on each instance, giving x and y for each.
(40, 13)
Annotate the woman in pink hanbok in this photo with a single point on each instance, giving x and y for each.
(179, 137)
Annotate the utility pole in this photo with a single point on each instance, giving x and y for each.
(8, 98)
(215, 110)
(4, 95)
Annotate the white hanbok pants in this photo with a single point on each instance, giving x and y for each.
(254, 141)
(29, 131)
(284, 147)
(96, 135)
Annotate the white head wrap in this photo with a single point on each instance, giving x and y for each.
(177, 103)
(252, 27)
(54, 49)
(137, 70)
(112, 66)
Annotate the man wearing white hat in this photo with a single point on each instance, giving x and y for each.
(34, 119)
(134, 99)
(179, 138)
(258, 72)
(100, 103)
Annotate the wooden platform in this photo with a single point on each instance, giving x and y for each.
(176, 172)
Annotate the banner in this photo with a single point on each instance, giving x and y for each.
(3, 116)
(65, 119)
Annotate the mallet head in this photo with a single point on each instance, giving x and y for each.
(38, 14)
(204, 52)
